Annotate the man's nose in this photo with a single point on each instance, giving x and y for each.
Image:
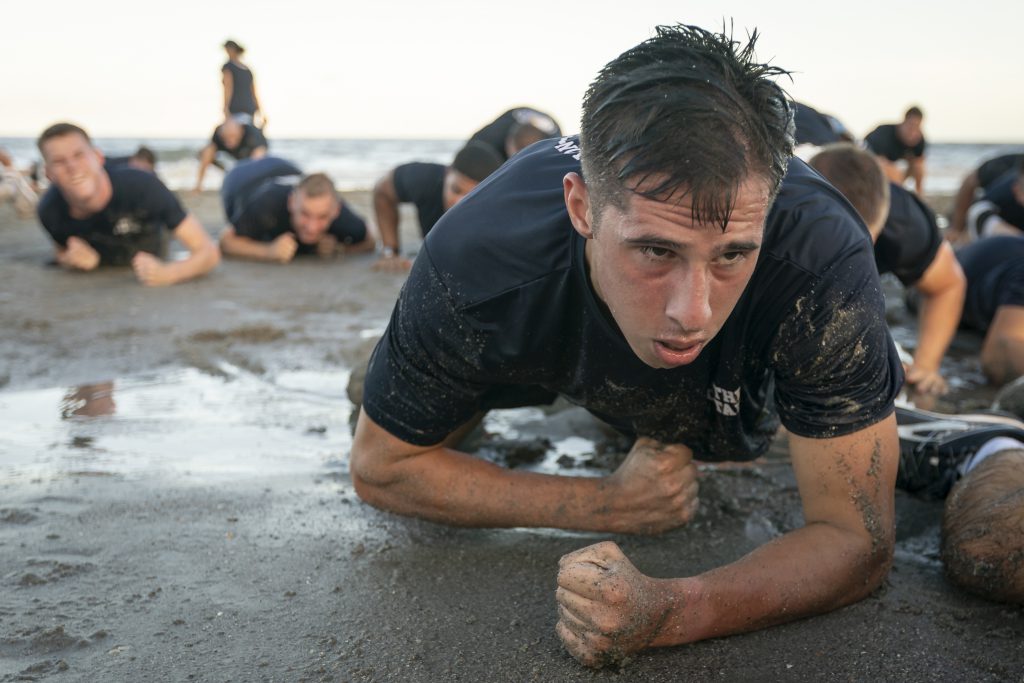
(690, 302)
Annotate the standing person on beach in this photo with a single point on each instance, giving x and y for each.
(240, 99)
(666, 271)
(900, 148)
(274, 213)
(517, 129)
(433, 189)
(980, 179)
(239, 140)
(909, 244)
(118, 217)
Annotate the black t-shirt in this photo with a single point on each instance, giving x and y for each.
(1001, 194)
(241, 100)
(496, 132)
(265, 217)
(498, 311)
(993, 169)
(138, 217)
(422, 184)
(812, 127)
(910, 239)
(994, 267)
(252, 139)
(885, 141)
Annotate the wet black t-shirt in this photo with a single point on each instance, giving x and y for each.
(139, 216)
(910, 239)
(812, 127)
(994, 267)
(495, 133)
(422, 184)
(993, 169)
(1001, 194)
(265, 217)
(885, 141)
(498, 311)
(252, 139)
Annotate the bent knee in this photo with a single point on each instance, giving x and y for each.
(986, 569)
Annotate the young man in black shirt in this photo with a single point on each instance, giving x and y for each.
(980, 179)
(237, 139)
(433, 188)
(274, 213)
(660, 271)
(897, 143)
(1001, 210)
(908, 244)
(517, 129)
(117, 217)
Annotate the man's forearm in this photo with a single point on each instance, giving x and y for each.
(244, 247)
(198, 263)
(387, 221)
(937, 325)
(809, 571)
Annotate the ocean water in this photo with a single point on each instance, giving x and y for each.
(357, 164)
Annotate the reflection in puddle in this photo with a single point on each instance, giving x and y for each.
(179, 422)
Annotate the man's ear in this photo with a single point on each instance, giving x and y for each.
(577, 201)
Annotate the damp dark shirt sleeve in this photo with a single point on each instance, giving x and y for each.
(422, 184)
(910, 238)
(265, 216)
(348, 227)
(424, 379)
(836, 368)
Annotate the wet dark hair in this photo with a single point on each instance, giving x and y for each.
(477, 160)
(522, 135)
(914, 111)
(145, 154)
(685, 113)
(59, 130)
(234, 46)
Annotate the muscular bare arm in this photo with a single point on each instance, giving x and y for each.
(203, 257)
(957, 231)
(385, 207)
(943, 287)
(279, 250)
(206, 157)
(1002, 352)
(607, 609)
(653, 490)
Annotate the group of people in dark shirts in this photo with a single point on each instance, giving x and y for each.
(676, 271)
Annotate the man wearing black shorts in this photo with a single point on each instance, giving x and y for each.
(1001, 210)
(908, 244)
(898, 143)
(237, 139)
(978, 180)
(517, 129)
(118, 217)
(433, 189)
(994, 306)
(274, 213)
(668, 273)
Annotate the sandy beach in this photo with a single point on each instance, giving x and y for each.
(175, 505)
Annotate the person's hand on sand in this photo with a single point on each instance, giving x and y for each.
(283, 248)
(396, 263)
(929, 382)
(151, 271)
(327, 246)
(654, 489)
(77, 254)
(607, 609)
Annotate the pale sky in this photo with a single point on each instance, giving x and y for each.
(443, 68)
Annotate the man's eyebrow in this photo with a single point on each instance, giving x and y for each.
(655, 241)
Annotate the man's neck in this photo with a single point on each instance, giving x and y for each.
(94, 204)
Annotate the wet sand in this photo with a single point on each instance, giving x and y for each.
(175, 505)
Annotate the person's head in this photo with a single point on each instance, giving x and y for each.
(231, 132)
(857, 174)
(471, 165)
(233, 49)
(525, 133)
(910, 129)
(73, 164)
(684, 143)
(143, 159)
(313, 206)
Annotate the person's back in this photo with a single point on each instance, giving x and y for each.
(517, 129)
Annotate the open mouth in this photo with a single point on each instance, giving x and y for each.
(673, 353)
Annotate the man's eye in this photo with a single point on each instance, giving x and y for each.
(732, 257)
(656, 252)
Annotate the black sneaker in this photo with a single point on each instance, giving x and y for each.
(934, 445)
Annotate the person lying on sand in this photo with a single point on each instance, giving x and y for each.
(237, 139)
(118, 217)
(143, 159)
(516, 130)
(275, 213)
(908, 243)
(433, 189)
(978, 460)
(977, 181)
(666, 271)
